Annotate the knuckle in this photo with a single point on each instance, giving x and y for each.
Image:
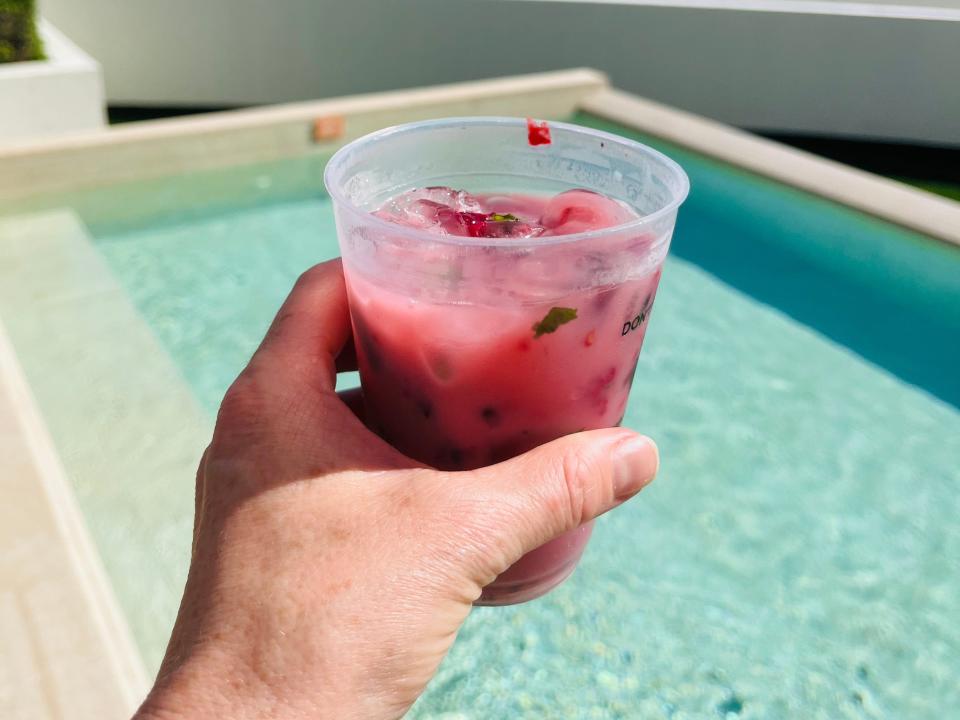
(580, 472)
(587, 487)
(312, 275)
(243, 395)
(240, 411)
(277, 328)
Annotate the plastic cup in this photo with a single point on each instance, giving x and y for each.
(474, 350)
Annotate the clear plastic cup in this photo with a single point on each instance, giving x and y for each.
(473, 350)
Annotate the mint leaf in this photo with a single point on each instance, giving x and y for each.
(498, 217)
(554, 319)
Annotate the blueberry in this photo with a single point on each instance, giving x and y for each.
(490, 415)
(425, 407)
(451, 457)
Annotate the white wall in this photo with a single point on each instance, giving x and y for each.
(858, 76)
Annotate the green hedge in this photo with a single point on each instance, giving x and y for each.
(19, 39)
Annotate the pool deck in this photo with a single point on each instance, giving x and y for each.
(67, 652)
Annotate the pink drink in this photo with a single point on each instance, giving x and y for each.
(460, 386)
(492, 322)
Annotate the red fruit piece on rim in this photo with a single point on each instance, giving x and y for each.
(538, 133)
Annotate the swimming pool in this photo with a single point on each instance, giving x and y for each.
(797, 556)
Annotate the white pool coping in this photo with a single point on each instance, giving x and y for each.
(890, 200)
(140, 151)
(147, 150)
(67, 652)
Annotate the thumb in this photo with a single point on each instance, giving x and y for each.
(554, 488)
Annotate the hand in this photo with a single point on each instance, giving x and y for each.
(330, 573)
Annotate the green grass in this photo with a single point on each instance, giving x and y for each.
(948, 190)
(19, 39)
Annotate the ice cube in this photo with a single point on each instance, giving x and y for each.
(486, 225)
(422, 207)
(456, 199)
(454, 212)
(436, 196)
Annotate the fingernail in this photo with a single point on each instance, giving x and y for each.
(635, 462)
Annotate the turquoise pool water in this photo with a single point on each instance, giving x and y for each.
(891, 295)
(796, 558)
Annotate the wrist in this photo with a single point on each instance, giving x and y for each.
(213, 688)
(198, 691)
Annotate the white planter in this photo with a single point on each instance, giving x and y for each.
(61, 94)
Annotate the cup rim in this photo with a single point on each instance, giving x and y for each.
(337, 162)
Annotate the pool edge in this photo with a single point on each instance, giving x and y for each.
(875, 195)
(153, 149)
(107, 673)
(156, 148)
